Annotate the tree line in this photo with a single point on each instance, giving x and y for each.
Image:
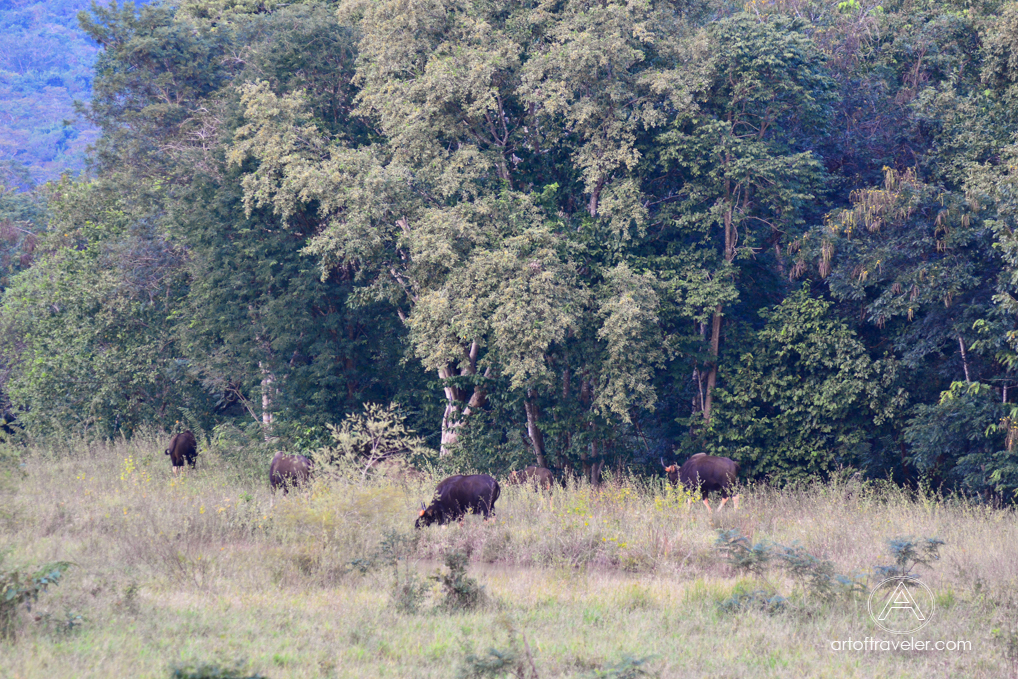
(560, 232)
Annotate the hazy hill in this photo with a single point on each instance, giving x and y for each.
(45, 65)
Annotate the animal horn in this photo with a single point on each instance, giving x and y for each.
(422, 506)
(663, 463)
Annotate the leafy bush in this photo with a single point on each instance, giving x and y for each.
(757, 599)
(737, 550)
(908, 553)
(815, 576)
(17, 588)
(379, 433)
(63, 625)
(462, 593)
(244, 445)
(408, 589)
(628, 668)
(514, 661)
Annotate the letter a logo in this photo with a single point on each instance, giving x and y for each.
(901, 599)
(908, 605)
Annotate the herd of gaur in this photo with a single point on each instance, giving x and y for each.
(457, 495)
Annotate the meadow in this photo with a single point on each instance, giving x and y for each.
(169, 573)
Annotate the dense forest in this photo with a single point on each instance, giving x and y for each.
(569, 232)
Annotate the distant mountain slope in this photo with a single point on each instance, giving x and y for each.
(46, 63)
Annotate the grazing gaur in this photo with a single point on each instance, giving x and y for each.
(457, 495)
(709, 473)
(540, 477)
(183, 448)
(289, 470)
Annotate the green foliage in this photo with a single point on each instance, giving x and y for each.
(958, 439)
(85, 330)
(379, 433)
(627, 668)
(801, 402)
(514, 661)
(408, 589)
(816, 577)
(22, 218)
(737, 550)
(557, 233)
(18, 588)
(460, 591)
(757, 599)
(150, 76)
(908, 553)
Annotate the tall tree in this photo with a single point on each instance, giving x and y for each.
(747, 172)
(452, 214)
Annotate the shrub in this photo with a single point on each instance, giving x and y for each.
(63, 625)
(17, 588)
(627, 668)
(379, 433)
(757, 599)
(815, 575)
(908, 553)
(737, 550)
(462, 593)
(514, 661)
(408, 590)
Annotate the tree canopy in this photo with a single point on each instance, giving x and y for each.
(568, 233)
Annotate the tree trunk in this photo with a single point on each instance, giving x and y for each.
(456, 410)
(533, 429)
(450, 423)
(715, 337)
(712, 376)
(268, 391)
(585, 461)
(595, 196)
(964, 359)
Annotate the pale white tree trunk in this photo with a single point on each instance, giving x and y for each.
(534, 429)
(457, 407)
(268, 392)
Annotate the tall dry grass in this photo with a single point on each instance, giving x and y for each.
(210, 566)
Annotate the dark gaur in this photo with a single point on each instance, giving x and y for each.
(456, 496)
(183, 448)
(289, 470)
(709, 473)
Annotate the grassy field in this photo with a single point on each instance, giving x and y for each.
(206, 568)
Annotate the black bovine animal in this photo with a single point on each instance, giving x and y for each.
(709, 473)
(289, 470)
(183, 448)
(458, 495)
